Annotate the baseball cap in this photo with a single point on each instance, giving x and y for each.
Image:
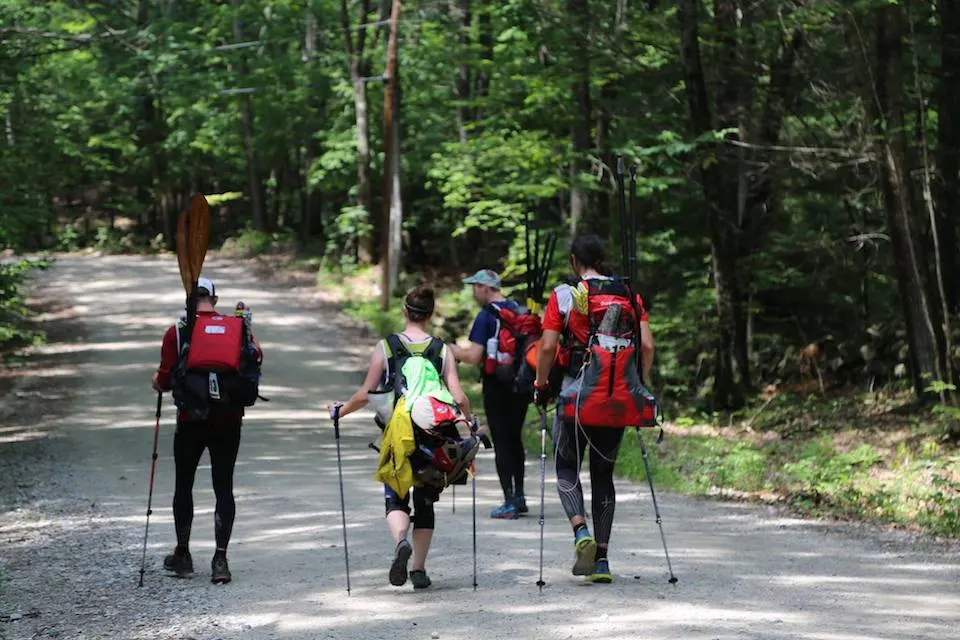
(205, 284)
(484, 276)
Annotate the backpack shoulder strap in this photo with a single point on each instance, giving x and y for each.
(393, 350)
(434, 353)
(492, 308)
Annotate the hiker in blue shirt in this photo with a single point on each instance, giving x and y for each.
(504, 409)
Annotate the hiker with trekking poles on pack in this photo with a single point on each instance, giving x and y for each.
(597, 400)
(504, 407)
(503, 333)
(412, 382)
(595, 331)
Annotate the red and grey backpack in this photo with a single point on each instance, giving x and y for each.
(608, 390)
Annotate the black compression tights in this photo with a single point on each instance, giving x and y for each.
(571, 444)
(223, 442)
(505, 415)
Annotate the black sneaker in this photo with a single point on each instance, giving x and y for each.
(180, 562)
(220, 570)
(398, 570)
(420, 579)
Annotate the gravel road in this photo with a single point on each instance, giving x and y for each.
(75, 441)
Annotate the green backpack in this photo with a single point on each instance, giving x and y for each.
(413, 371)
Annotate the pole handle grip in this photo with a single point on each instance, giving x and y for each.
(159, 403)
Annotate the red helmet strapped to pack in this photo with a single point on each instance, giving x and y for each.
(607, 391)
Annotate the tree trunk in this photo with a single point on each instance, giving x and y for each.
(276, 216)
(920, 306)
(603, 217)
(247, 123)
(358, 71)
(948, 148)
(309, 195)
(149, 136)
(734, 93)
(720, 193)
(462, 11)
(578, 12)
(392, 207)
(485, 40)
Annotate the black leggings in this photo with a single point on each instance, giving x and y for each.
(423, 499)
(570, 444)
(505, 413)
(222, 439)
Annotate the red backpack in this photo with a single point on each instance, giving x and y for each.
(217, 366)
(608, 391)
(517, 329)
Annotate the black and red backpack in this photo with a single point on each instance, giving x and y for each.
(517, 329)
(218, 367)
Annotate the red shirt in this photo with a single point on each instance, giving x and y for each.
(561, 317)
(168, 361)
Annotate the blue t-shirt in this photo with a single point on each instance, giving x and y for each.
(485, 324)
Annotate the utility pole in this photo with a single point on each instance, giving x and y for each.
(392, 240)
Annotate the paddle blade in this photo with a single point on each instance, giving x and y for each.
(183, 259)
(198, 234)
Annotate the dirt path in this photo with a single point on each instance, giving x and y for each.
(74, 491)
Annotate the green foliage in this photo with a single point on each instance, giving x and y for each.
(106, 136)
(15, 330)
(253, 242)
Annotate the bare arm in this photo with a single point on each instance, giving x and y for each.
(470, 355)
(647, 350)
(452, 379)
(374, 373)
(549, 343)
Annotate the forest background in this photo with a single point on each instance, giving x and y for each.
(798, 193)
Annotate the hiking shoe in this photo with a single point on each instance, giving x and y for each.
(506, 511)
(521, 503)
(585, 548)
(180, 562)
(420, 579)
(398, 570)
(220, 570)
(601, 572)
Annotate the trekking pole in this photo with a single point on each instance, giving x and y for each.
(543, 483)
(343, 508)
(474, 482)
(153, 468)
(529, 270)
(474, 429)
(656, 509)
(632, 213)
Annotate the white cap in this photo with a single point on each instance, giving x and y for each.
(205, 283)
